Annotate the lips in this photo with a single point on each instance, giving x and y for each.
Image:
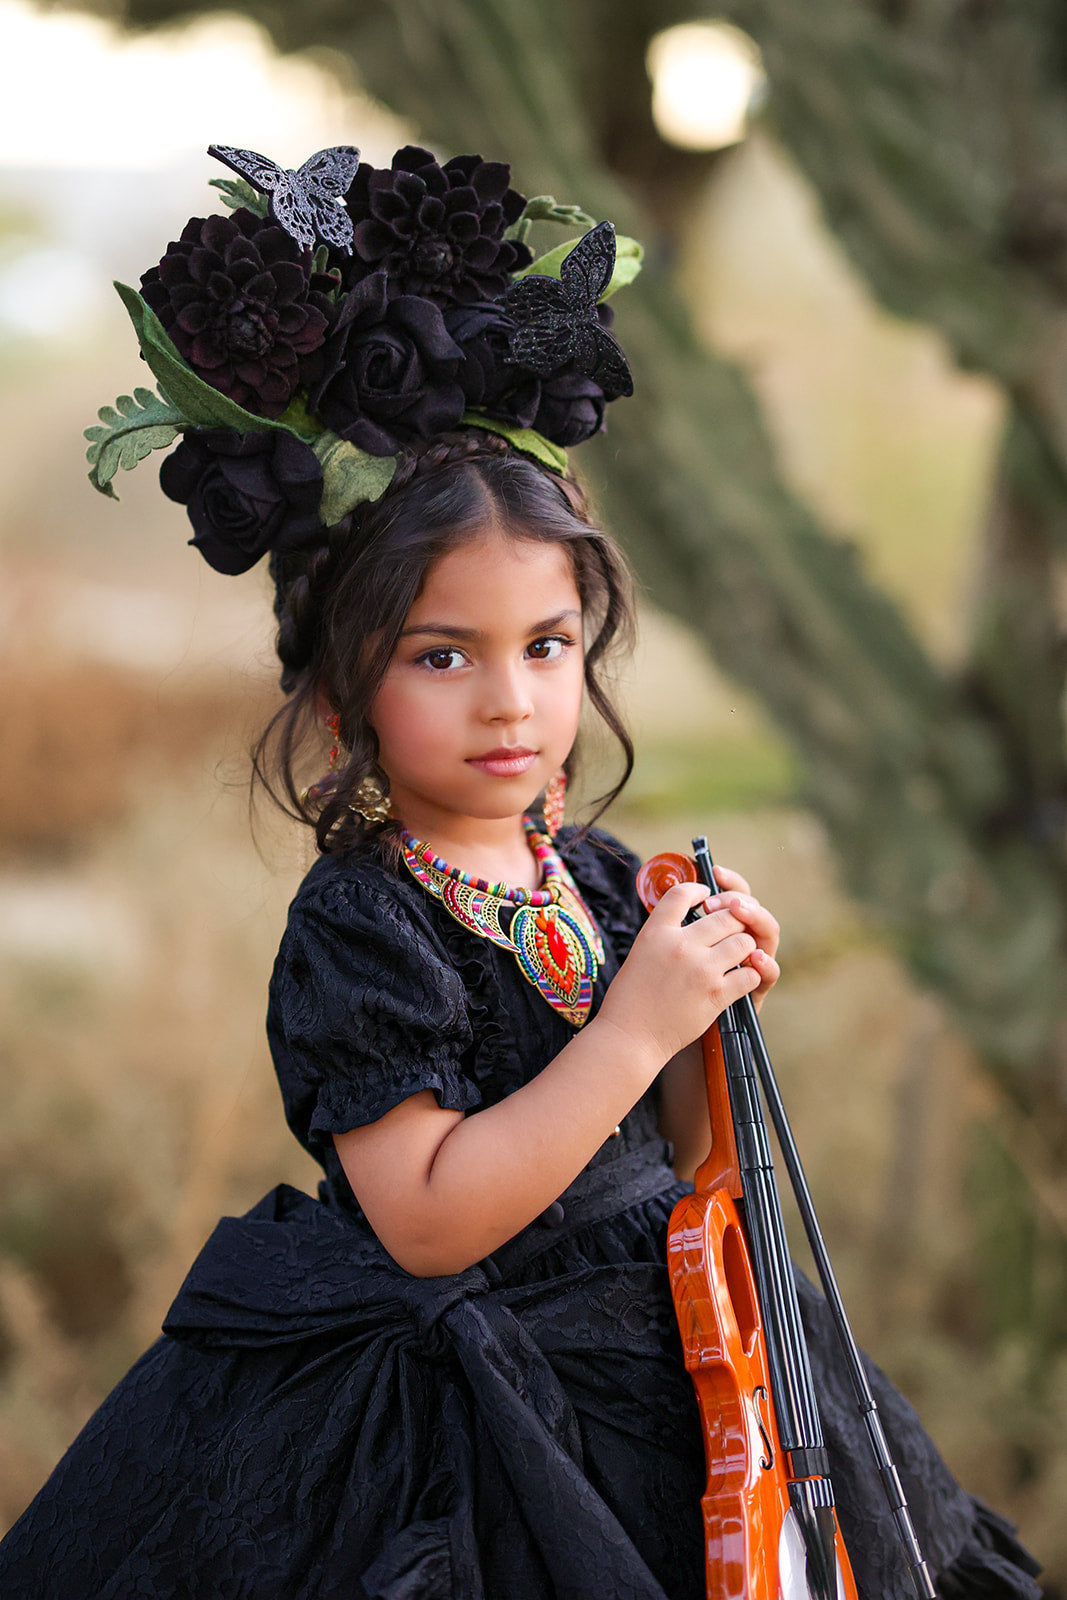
(507, 761)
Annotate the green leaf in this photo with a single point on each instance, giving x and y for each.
(298, 419)
(628, 256)
(545, 208)
(524, 439)
(136, 425)
(197, 401)
(350, 476)
(237, 193)
(549, 264)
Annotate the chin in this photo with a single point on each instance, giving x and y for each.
(498, 807)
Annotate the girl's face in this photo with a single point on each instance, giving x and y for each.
(479, 706)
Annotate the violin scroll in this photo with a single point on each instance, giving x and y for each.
(661, 873)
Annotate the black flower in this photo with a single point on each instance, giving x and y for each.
(246, 493)
(571, 408)
(437, 231)
(390, 370)
(238, 298)
(489, 378)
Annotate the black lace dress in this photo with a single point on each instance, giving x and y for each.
(316, 1423)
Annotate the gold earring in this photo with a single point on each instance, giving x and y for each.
(370, 801)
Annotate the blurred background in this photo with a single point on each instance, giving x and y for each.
(843, 483)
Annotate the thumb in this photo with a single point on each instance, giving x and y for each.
(679, 900)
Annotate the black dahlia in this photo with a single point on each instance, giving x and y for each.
(246, 493)
(571, 409)
(238, 298)
(390, 368)
(437, 231)
(490, 380)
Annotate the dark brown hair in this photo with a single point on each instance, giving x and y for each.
(341, 608)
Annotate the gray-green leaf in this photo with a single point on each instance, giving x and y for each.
(545, 208)
(132, 428)
(349, 476)
(197, 401)
(524, 439)
(237, 193)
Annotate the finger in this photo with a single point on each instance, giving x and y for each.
(756, 918)
(768, 969)
(716, 925)
(727, 878)
(679, 900)
(742, 980)
(733, 951)
(769, 973)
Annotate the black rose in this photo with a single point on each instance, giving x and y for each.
(390, 370)
(490, 380)
(571, 409)
(246, 493)
(436, 231)
(238, 298)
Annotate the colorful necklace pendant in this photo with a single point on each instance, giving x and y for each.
(550, 930)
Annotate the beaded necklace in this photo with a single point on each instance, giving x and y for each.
(550, 930)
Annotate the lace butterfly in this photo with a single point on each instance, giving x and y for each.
(304, 201)
(558, 318)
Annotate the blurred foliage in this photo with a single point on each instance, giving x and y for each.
(742, 771)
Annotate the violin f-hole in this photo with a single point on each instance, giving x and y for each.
(760, 1398)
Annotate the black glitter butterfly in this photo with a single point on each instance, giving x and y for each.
(303, 202)
(558, 321)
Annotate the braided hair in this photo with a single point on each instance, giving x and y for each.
(341, 606)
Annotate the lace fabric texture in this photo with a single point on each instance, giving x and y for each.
(315, 1422)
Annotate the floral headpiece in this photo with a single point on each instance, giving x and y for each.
(343, 311)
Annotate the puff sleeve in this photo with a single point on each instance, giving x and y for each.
(364, 1011)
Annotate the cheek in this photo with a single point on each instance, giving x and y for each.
(576, 690)
(407, 720)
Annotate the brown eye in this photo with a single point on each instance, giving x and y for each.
(441, 659)
(547, 649)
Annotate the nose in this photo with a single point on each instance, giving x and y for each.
(507, 695)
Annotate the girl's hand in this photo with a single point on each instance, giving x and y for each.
(737, 898)
(677, 979)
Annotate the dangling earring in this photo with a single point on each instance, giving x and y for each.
(371, 801)
(324, 786)
(555, 798)
(333, 722)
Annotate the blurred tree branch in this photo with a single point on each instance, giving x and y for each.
(936, 136)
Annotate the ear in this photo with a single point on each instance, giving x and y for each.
(323, 705)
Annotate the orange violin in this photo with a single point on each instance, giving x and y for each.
(771, 1530)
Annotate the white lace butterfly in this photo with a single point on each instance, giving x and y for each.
(302, 201)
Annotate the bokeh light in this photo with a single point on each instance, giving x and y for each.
(706, 79)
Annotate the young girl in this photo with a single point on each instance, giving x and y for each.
(456, 1374)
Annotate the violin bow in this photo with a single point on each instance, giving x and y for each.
(865, 1401)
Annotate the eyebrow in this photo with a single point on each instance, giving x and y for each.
(445, 630)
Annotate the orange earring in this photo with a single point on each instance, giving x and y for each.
(333, 723)
(555, 798)
(321, 789)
